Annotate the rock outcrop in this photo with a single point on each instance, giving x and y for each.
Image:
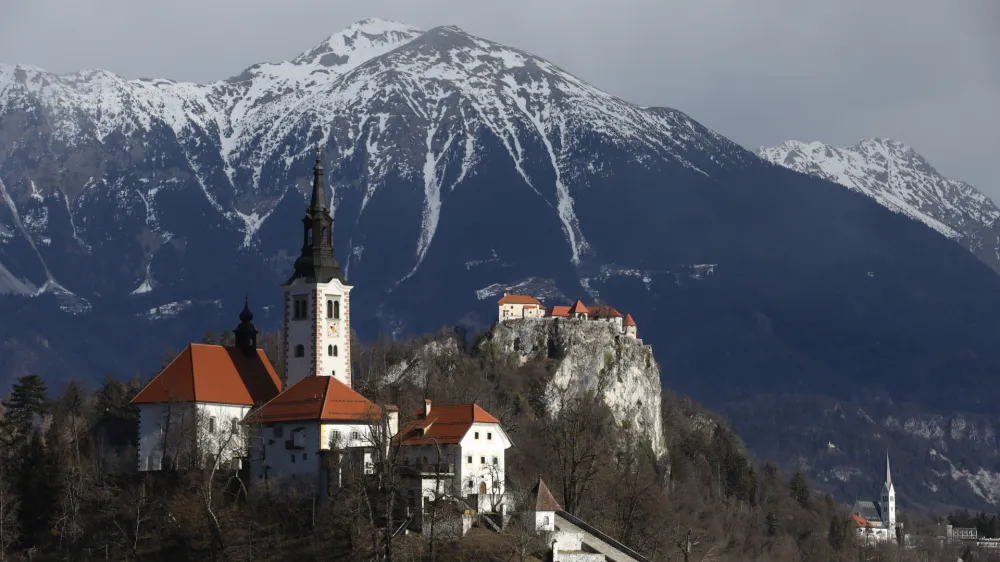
(593, 357)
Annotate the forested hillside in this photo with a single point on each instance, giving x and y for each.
(69, 489)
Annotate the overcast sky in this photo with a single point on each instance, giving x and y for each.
(922, 72)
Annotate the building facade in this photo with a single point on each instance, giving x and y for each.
(192, 410)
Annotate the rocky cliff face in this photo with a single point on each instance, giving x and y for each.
(593, 357)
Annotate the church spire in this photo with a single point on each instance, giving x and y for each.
(246, 334)
(317, 262)
(888, 474)
(318, 202)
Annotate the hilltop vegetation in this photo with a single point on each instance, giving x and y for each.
(69, 490)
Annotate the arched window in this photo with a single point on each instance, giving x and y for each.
(309, 236)
(336, 309)
(300, 350)
(545, 521)
(329, 351)
(334, 351)
(329, 309)
(326, 234)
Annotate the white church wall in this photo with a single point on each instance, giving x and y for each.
(221, 431)
(322, 330)
(271, 457)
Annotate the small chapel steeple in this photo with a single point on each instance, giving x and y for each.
(317, 262)
(246, 334)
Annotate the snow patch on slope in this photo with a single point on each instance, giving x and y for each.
(894, 175)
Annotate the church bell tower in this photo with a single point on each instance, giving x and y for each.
(888, 501)
(317, 328)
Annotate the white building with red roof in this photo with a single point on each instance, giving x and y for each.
(519, 306)
(455, 451)
(193, 409)
(294, 433)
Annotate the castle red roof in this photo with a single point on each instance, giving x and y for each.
(604, 311)
(578, 308)
(318, 398)
(861, 521)
(518, 299)
(213, 373)
(444, 424)
(544, 501)
(559, 311)
(628, 320)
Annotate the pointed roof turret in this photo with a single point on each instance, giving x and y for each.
(318, 262)
(318, 201)
(888, 473)
(628, 320)
(544, 501)
(246, 334)
(578, 308)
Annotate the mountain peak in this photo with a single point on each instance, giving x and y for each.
(358, 42)
(900, 179)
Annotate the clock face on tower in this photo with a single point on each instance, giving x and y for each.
(334, 329)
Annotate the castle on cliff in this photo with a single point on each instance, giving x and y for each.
(513, 307)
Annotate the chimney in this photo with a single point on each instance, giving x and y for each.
(427, 407)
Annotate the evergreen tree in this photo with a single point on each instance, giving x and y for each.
(26, 403)
(800, 489)
(37, 478)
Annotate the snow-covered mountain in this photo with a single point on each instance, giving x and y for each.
(136, 214)
(903, 181)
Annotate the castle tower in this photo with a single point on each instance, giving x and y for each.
(317, 328)
(888, 501)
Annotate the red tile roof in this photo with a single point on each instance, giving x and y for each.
(213, 373)
(444, 424)
(604, 311)
(518, 299)
(559, 311)
(578, 308)
(628, 320)
(543, 498)
(861, 521)
(317, 398)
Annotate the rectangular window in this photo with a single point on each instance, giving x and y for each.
(469, 459)
(356, 435)
(489, 436)
(477, 435)
(301, 307)
(211, 424)
(482, 460)
(496, 461)
(304, 457)
(293, 458)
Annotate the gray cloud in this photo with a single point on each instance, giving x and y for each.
(923, 72)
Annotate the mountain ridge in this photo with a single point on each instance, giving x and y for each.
(903, 181)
